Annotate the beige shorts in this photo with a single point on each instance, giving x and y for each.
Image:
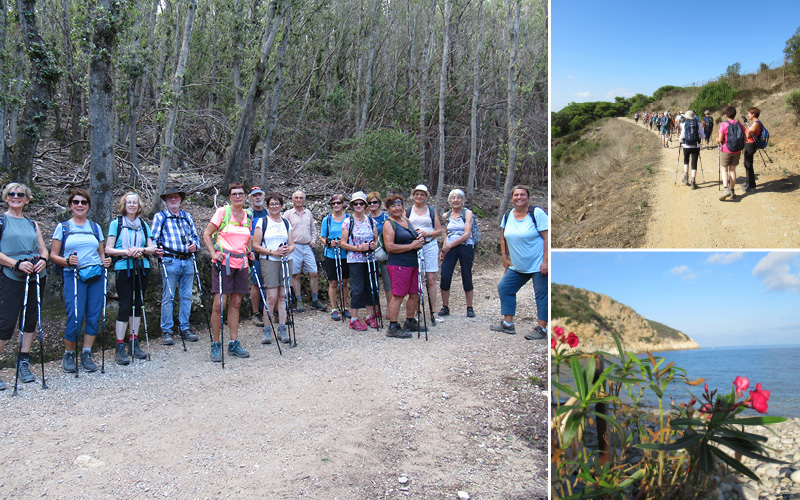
(272, 275)
(729, 159)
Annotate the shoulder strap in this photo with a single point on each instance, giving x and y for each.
(286, 224)
(64, 234)
(432, 214)
(408, 212)
(119, 228)
(350, 223)
(96, 231)
(2, 224)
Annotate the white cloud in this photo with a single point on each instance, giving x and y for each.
(724, 258)
(684, 272)
(583, 95)
(775, 271)
(679, 270)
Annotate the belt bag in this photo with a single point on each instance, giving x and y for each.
(90, 273)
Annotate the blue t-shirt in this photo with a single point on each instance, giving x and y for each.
(379, 220)
(81, 239)
(525, 244)
(335, 233)
(257, 214)
(127, 263)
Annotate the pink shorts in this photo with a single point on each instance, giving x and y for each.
(404, 280)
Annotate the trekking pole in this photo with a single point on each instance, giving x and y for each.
(77, 328)
(430, 299)
(139, 272)
(221, 319)
(165, 283)
(678, 161)
(700, 157)
(202, 297)
(372, 271)
(421, 295)
(22, 329)
(269, 316)
(41, 334)
(287, 295)
(103, 338)
(339, 282)
(719, 167)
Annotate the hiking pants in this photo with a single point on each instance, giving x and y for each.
(464, 254)
(691, 154)
(180, 278)
(90, 305)
(512, 282)
(749, 154)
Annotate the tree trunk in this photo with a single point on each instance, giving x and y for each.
(423, 100)
(473, 126)
(237, 55)
(368, 84)
(4, 84)
(273, 114)
(411, 70)
(168, 155)
(238, 150)
(442, 92)
(513, 28)
(43, 77)
(101, 109)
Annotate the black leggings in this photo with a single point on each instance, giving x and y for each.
(12, 295)
(360, 286)
(128, 291)
(691, 154)
(463, 254)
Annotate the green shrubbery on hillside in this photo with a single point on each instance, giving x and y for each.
(712, 96)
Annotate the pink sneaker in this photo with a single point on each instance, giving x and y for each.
(370, 321)
(358, 326)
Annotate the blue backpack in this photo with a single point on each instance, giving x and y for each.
(762, 141)
(691, 132)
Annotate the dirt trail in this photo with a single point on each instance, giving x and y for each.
(686, 218)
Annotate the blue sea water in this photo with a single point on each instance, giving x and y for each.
(777, 368)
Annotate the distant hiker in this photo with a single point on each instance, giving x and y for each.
(708, 127)
(227, 238)
(750, 147)
(257, 211)
(176, 238)
(523, 246)
(427, 223)
(360, 236)
(336, 268)
(691, 134)
(636, 118)
(22, 254)
(459, 247)
(379, 216)
(129, 240)
(78, 248)
(303, 259)
(731, 143)
(665, 129)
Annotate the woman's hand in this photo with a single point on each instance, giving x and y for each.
(545, 267)
(73, 260)
(283, 250)
(39, 266)
(106, 261)
(506, 263)
(219, 257)
(26, 267)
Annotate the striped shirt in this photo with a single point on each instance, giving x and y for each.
(175, 232)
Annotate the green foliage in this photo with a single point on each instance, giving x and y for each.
(573, 303)
(575, 116)
(734, 70)
(664, 331)
(792, 51)
(383, 159)
(793, 102)
(763, 67)
(571, 152)
(663, 91)
(712, 96)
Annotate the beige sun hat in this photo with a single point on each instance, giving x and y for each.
(358, 195)
(420, 187)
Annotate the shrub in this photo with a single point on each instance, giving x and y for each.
(379, 159)
(793, 102)
(712, 96)
(792, 51)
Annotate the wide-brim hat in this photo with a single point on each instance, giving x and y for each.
(358, 195)
(689, 114)
(420, 187)
(173, 190)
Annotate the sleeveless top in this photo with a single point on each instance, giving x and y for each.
(403, 236)
(456, 228)
(19, 242)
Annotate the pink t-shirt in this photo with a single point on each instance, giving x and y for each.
(723, 129)
(234, 237)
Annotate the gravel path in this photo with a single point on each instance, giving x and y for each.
(343, 415)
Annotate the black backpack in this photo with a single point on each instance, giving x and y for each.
(708, 123)
(735, 140)
(531, 209)
(691, 132)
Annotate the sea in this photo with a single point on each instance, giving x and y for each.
(776, 367)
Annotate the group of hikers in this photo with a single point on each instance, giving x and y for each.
(261, 250)
(734, 140)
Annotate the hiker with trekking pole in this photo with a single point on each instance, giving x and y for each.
(524, 247)
(227, 238)
(731, 139)
(402, 243)
(22, 253)
(374, 204)
(257, 211)
(303, 259)
(426, 220)
(129, 241)
(360, 236)
(691, 135)
(176, 235)
(81, 240)
(335, 258)
(708, 127)
(459, 247)
(269, 244)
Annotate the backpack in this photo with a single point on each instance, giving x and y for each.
(248, 219)
(476, 231)
(531, 208)
(665, 121)
(762, 141)
(735, 141)
(65, 232)
(691, 132)
(708, 123)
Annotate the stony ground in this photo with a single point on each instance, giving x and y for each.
(343, 415)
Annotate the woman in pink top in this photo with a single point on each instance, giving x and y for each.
(227, 239)
(729, 158)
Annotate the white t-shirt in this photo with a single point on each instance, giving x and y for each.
(275, 234)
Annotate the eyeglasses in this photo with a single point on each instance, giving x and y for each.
(358, 204)
(12, 194)
(275, 205)
(374, 202)
(80, 202)
(238, 193)
(336, 203)
(398, 203)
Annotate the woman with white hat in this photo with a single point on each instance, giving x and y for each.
(359, 236)
(425, 220)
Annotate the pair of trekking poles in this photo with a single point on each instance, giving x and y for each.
(678, 162)
(422, 284)
(22, 325)
(372, 276)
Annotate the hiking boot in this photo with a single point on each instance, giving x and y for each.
(236, 349)
(335, 315)
(370, 321)
(694, 184)
(138, 353)
(216, 352)
(299, 307)
(258, 320)
(166, 338)
(283, 336)
(412, 325)
(396, 332)
(501, 327)
(266, 338)
(726, 193)
(318, 306)
(444, 311)
(358, 326)
(538, 333)
(25, 371)
(470, 312)
(733, 195)
(685, 180)
(87, 362)
(120, 356)
(346, 314)
(189, 335)
(68, 362)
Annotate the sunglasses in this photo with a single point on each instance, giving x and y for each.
(80, 202)
(12, 194)
(374, 202)
(336, 203)
(358, 204)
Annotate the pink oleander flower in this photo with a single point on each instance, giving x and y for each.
(706, 408)
(759, 399)
(553, 343)
(572, 339)
(741, 384)
(558, 331)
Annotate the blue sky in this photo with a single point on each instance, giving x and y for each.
(600, 50)
(717, 298)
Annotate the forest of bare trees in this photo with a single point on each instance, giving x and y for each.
(246, 88)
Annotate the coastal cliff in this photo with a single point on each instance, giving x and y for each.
(593, 316)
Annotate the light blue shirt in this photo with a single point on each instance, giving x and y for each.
(525, 244)
(82, 240)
